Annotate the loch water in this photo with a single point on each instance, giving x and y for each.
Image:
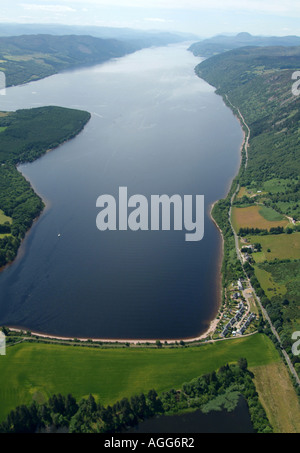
(156, 128)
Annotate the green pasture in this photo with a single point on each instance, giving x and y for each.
(277, 185)
(280, 279)
(35, 370)
(270, 214)
(280, 246)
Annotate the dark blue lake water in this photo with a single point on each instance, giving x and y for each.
(156, 128)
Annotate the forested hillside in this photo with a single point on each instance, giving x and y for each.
(259, 82)
(24, 136)
(32, 57)
(257, 85)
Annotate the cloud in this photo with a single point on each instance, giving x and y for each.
(47, 8)
(288, 7)
(157, 19)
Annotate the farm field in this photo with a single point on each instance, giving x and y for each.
(36, 371)
(270, 287)
(283, 412)
(257, 217)
(281, 246)
(280, 279)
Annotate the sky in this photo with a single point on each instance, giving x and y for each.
(203, 17)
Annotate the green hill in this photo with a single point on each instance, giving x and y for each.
(259, 82)
(32, 57)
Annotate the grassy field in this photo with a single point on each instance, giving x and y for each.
(35, 371)
(271, 215)
(277, 185)
(281, 246)
(4, 218)
(243, 191)
(278, 397)
(256, 217)
(280, 279)
(270, 287)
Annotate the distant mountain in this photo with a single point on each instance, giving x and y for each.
(221, 43)
(31, 51)
(139, 38)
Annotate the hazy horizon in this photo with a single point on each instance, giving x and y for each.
(201, 17)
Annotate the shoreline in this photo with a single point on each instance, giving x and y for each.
(143, 341)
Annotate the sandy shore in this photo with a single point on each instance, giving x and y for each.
(204, 336)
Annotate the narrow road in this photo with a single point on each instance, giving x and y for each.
(247, 135)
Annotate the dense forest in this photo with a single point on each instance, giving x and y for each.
(214, 391)
(25, 135)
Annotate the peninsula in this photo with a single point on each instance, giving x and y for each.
(25, 135)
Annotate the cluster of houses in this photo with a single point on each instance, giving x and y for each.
(250, 318)
(238, 315)
(235, 319)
